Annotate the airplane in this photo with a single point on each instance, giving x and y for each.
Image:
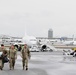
(45, 45)
(29, 40)
(32, 42)
(72, 42)
(68, 42)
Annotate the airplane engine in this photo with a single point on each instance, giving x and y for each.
(16, 46)
(48, 48)
(43, 47)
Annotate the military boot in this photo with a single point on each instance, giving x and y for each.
(23, 66)
(1, 68)
(26, 68)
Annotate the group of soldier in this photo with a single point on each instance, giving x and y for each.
(12, 55)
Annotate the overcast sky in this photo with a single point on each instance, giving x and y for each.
(36, 17)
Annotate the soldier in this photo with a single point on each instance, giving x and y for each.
(4, 54)
(12, 56)
(25, 54)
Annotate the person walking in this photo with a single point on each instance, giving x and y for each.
(12, 56)
(4, 54)
(25, 54)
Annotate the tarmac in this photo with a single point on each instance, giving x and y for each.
(43, 63)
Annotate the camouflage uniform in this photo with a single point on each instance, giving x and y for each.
(12, 57)
(1, 59)
(25, 55)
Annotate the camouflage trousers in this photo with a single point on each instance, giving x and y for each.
(12, 63)
(1, 64)
(25, 62)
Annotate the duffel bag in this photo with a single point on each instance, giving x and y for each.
(5, 59)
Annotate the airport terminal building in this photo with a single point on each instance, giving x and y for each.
(6, 39)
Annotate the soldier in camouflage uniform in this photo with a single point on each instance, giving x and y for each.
(12, 56)
(25, 54)
(4, 51)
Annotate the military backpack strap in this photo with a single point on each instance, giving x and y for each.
(15, 52)
(23, 50)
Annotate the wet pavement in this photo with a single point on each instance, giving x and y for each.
(43, 63)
